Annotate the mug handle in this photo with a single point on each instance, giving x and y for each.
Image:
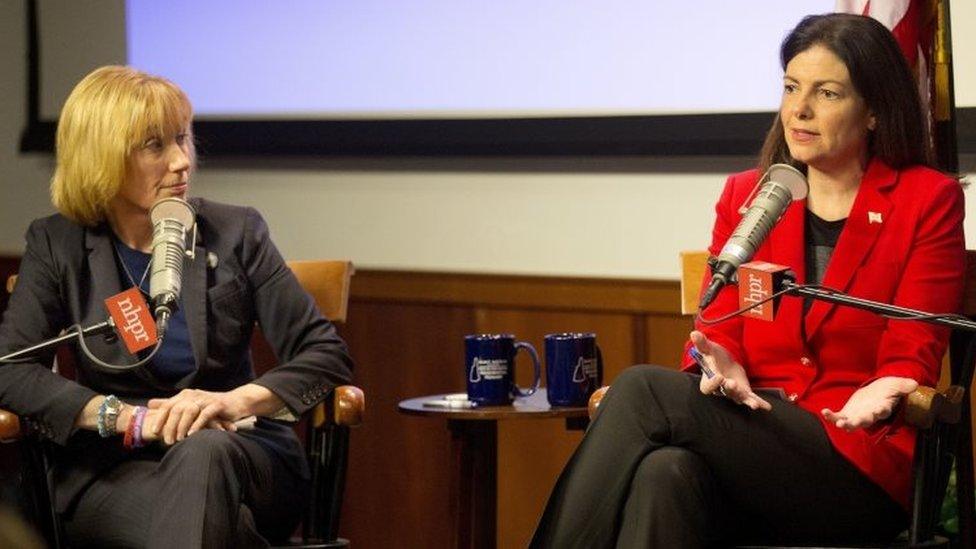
(535, 362)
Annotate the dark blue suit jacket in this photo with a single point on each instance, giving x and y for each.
(67, 272)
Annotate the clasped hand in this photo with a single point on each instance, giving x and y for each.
(175, 418)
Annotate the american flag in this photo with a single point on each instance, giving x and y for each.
(921, 29)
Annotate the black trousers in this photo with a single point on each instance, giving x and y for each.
(663, 465)
(213, 489)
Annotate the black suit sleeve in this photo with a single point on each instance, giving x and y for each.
(36, 312)
(313, 358)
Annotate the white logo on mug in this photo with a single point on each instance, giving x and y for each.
(586, 369)
(489, 369)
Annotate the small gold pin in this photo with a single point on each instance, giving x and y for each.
(874, 217)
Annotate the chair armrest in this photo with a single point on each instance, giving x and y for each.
(926, 405)
(347, 408)
(10, 430)
(595, 400)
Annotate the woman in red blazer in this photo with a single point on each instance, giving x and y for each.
(674, 459)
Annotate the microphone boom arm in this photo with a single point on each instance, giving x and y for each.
(101, 328)
(957, 322)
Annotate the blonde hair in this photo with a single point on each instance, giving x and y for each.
(111, 113)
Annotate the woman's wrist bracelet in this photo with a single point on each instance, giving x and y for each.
(137, 420)
(129, 432)
(108, 416)
(133, 433)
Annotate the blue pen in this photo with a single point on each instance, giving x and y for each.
(700, 361)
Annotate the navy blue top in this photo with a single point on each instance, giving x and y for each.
(175, 358)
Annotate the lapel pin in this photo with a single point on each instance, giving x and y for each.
(874, 217)
(212, 260)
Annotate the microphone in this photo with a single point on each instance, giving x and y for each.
(172, 218)
(129, 314)
(783, 184)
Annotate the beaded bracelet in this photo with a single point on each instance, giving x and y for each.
(133, 433)
(108, 416)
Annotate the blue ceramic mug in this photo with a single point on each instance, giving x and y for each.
(490, 368)
(574, 368)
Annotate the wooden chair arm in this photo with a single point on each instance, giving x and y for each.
(926, 405)
(10, 430)
(347, 408)
(595, 400)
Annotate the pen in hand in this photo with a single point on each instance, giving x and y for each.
(706, 371)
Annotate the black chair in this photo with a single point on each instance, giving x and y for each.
(325, 429)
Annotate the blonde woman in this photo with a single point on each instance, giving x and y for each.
(186, 477)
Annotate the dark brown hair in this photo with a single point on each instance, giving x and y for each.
(881, 76)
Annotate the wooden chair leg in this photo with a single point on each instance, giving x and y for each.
(923, 473)
(328, 454)
(964, 345)
(964, 479)
(336, 444)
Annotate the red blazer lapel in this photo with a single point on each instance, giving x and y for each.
(864, 224)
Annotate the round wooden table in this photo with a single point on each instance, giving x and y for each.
(474, 436)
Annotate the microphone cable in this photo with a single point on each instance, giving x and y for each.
(723, 318)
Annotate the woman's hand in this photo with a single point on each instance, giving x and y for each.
(175, 418)
(151, 419)
(729, 374)
(193, 409)
(871, 403)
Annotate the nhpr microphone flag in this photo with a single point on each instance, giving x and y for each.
(130, 312)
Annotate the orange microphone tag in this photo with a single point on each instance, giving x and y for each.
(132, 319)
(757, 281)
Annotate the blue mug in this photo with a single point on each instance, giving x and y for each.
(490, 368)
(574, 368)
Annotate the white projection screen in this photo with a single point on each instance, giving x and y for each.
(548, 77)
(469, 59)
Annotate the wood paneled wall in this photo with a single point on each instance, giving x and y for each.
(406, 332)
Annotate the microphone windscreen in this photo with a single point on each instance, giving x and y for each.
(173, 208)
(789, 177)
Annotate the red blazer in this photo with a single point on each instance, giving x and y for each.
(902, 244)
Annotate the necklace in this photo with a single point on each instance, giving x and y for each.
(142, 279)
